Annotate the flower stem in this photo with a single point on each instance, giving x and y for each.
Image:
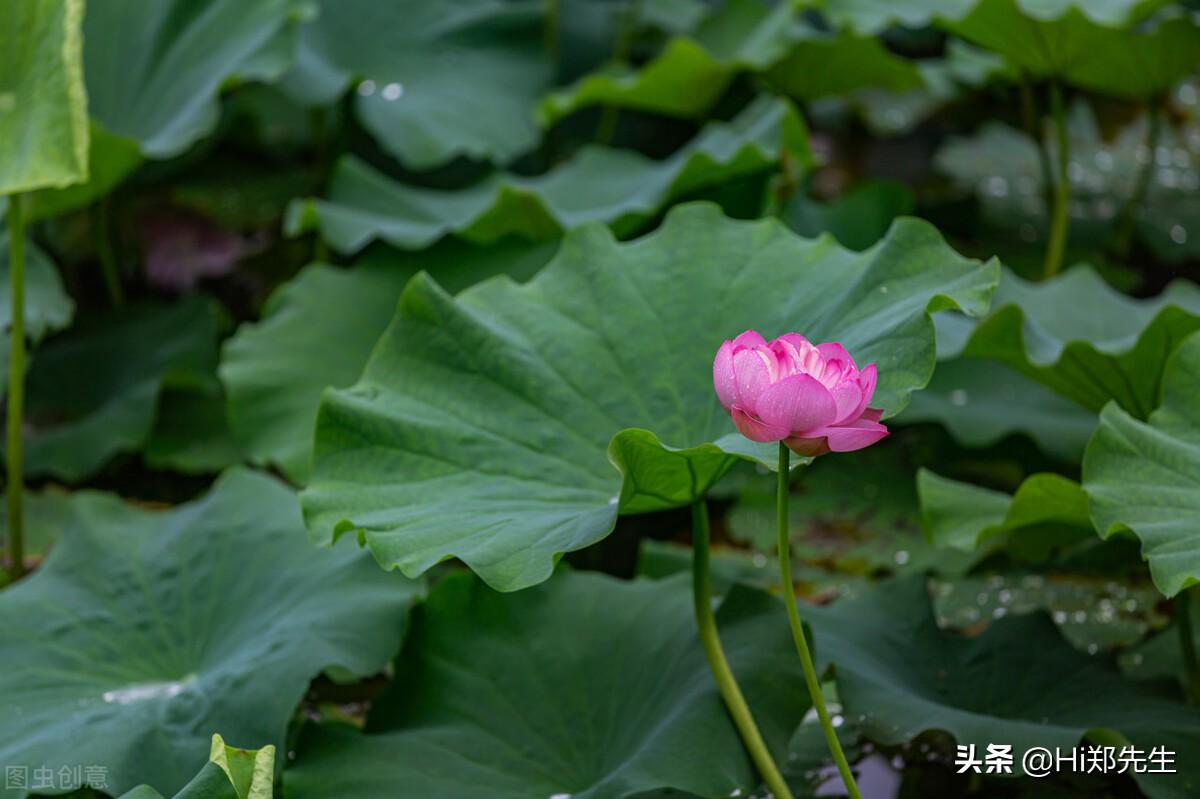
(106, 253)
(1187, 643)
(16, 388)
(783, 542)
(1128, 224)
(1060, 220)
(1030, 120)
(726, 684)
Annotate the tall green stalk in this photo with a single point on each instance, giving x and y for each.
(1030, 121)
(1060, 217)
(16, 387)
(783, 542)
(726, 684)
(1187, 643)
(107, 253)
(606, 128)
(1129, 212)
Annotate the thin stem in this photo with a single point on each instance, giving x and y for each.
(1060, 219)
(16, 387)
(1187, 643)
(106, 253)
(726, 684)
(550, 24)
(606, 128)
(1029, 118)
(1129, 212)
(783, 541)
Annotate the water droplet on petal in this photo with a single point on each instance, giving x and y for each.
(366, 88)
(393, 91)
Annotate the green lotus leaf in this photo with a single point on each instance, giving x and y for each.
(962, 71)
(191, 431)
(1144, 477)
(899, 675)
(230, 773)
(828, 64)
(318, 330)
(1084, 340)
(154, 68)
(693, 71)
(45, 514)
(1161, 654)
(212, 616)
(111, 159)
(486, 427)
(43, 104)
(634, 707)
(48, 308)
(981, 402)
(442, 79)
(619, 187)
(1061, 40)
(1048, 511)
(871, 17)
(92, 392)
(857, 219)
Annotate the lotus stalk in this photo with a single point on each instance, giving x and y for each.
(16, 388)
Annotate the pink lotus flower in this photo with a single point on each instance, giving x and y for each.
(813, 398)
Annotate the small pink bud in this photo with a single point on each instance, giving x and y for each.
(813, 398)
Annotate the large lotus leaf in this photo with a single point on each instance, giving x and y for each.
(898, 675)
(692, 72)
(486, 427)
(828, 64)
(318, 330)
(857, 219)
(1061, 40)
(1084, 340)
(44, 515)
(443, 78)
(962, 71)
(43, 104)
(230, 773)
(619, 187)
(154, 67)
(212, 616)
(1144, 477)
(92, 392)
(191, 428)
(981, 402)
(111, 159)
(48, 308)
(587, 686)
(1161, 654)
(1046, 512)
(874, 16)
